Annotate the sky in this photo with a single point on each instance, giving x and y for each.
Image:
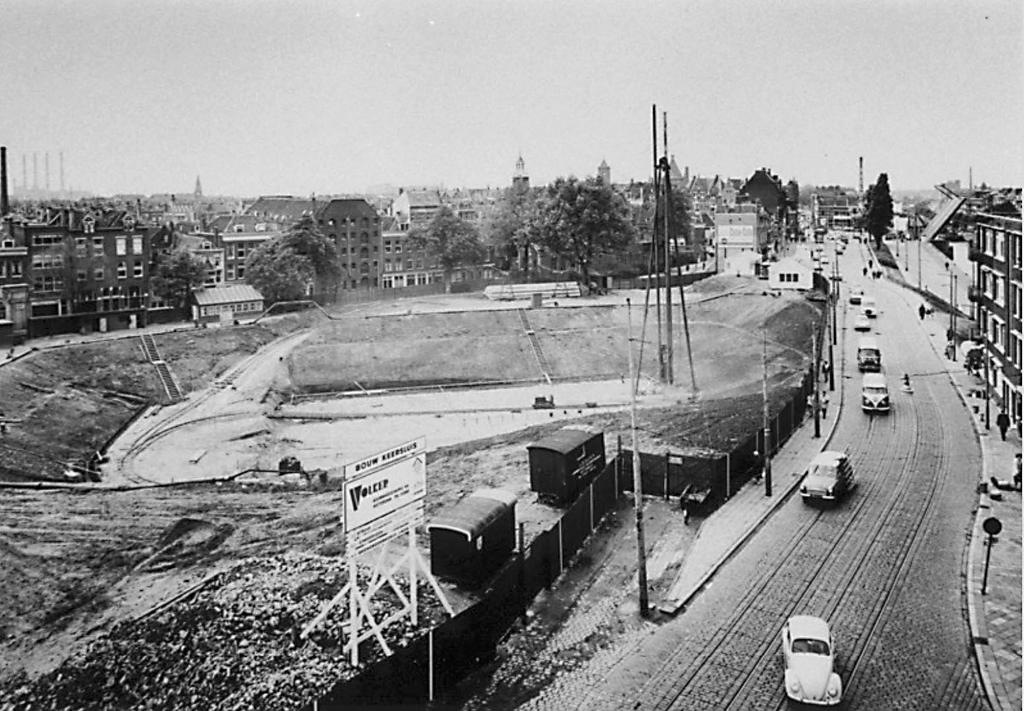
(304, 96)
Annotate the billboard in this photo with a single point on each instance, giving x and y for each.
(384, 494)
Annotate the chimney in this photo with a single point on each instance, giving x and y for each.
(5, 203)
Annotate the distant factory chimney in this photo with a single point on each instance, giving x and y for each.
(860, 184)
(5, 203)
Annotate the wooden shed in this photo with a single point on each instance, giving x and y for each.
(470, 541)
(564, 463)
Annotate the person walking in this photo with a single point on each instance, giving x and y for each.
(824, 404)
(921, 311)
(1003, 423)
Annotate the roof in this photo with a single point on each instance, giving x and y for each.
(808, 627)
(236, 293)
(424, 198)
(563, 441)
(473, 514)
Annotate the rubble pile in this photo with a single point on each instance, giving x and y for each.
(233, 645)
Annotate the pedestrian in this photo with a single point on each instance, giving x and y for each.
(825, 369)
(1016, 472)
(921, 311)
(1003, 423)
(824, 404)
(865, 271)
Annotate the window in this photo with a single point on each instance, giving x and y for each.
(364, 237)
(81, 246)
(387, 246)
(97, 274)
(398, 247)
(122, 270)
(80, 276)
(137, 270)
(231, 272)
(241, 271)
(241, 252)
(137, 244)
(15, 270)
(121, 246)
(97, 246)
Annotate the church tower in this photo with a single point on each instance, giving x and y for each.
(199, 188)
(520, 180)
(604, 173)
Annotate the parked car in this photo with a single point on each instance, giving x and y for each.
(862, 322)
(809, 652)
(856, 294)
(828, 478)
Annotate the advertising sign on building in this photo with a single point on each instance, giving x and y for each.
(384, 494)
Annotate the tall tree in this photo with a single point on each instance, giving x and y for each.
(305, 239)
(511, 229)
(448, 240)
(878, 215)
(177, 276)
(278, 272)
(580, 219)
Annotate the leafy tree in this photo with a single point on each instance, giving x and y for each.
(177, 276)
(511, 229)
(449, 240)
(878, 212)
(278, 272)
(306, 240)
(580, 219)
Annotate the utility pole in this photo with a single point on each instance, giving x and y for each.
(817, 392)
(638, 494)
(767, 459)
(918, 238)
(984, 344)
(952, 315)
(655, 251)
(666, 205)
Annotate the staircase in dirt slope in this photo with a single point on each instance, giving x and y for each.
(535, 342)
(163, 371)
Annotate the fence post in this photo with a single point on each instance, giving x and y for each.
(590, 489)
(522, 572)
(728, 476)
(664, 484)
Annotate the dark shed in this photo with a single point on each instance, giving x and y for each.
(564, 463)
(470, 541)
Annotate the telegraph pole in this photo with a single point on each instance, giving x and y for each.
(767, 427)
(817, 392)
(638, 495)
(666, 203)
(918, 238)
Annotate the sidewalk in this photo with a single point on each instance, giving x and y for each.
(995, 618)
(727, 529)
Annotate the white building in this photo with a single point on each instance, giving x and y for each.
(791, 273)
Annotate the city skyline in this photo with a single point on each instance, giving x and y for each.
(303, 97)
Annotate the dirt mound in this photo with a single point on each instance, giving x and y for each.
(184, 542)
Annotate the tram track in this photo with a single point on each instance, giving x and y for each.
(853, 547)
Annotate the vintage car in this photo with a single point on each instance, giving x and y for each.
(861, 322)
(809, 652)
(856, 294)
(829, 477)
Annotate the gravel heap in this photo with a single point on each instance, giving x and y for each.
(233, 645)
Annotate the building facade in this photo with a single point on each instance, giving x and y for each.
(741, 237)
(997, 294)
(86, 271)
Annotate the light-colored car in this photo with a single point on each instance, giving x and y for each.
(829, 477)
(869, 306)
(862, 322)
(856, 294)
(809, 651)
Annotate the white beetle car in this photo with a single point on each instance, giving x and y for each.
(809, 652)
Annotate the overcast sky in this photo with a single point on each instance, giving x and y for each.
(296, 97)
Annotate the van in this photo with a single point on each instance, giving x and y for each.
(869, 306)
(828, 478)
(869, 355)
(874, 394)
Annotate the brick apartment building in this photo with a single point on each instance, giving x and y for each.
(997, 294)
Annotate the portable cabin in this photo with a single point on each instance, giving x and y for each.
(563, 463)
(470, 541)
